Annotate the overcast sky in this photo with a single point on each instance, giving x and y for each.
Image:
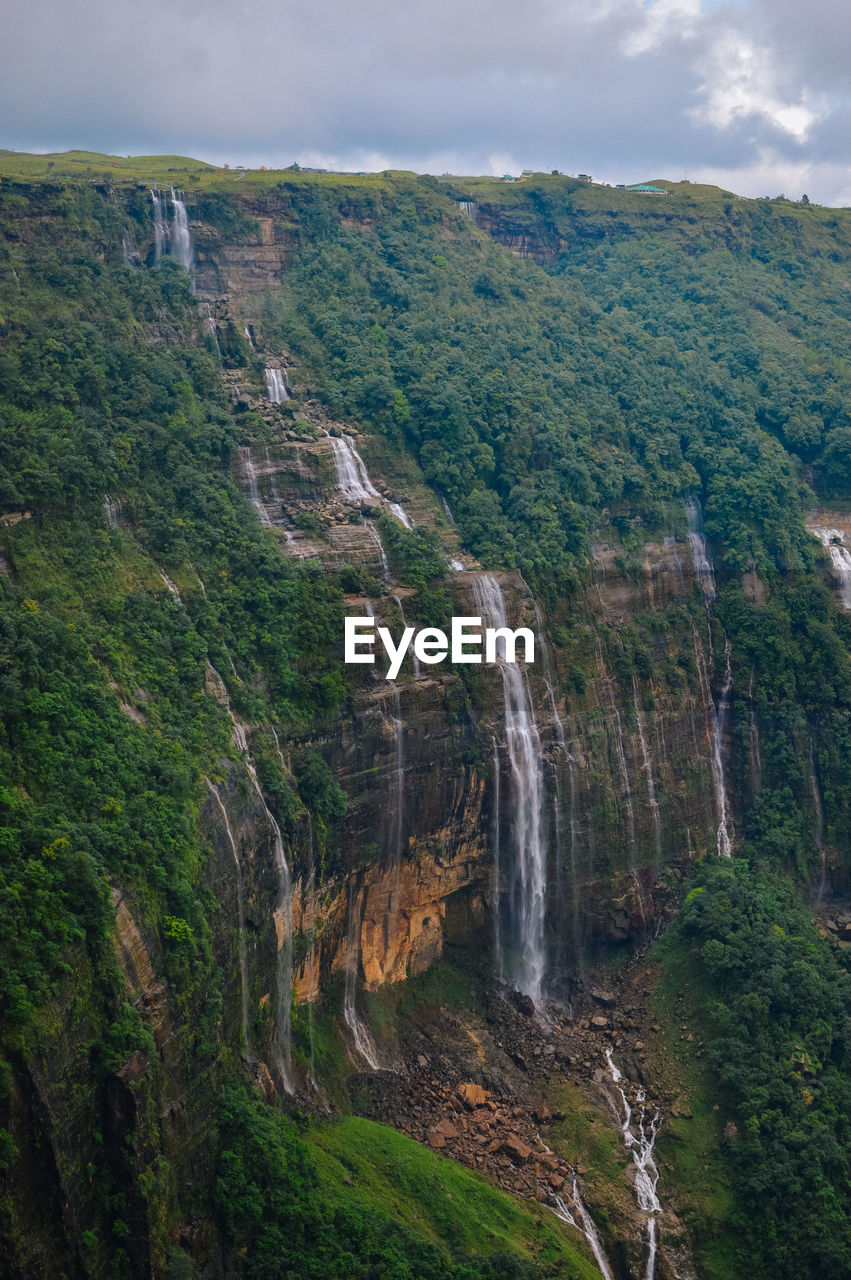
(752, 94)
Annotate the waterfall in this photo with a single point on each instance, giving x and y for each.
(834, 542)
(251, 479)
(648, 769)
(127, 248)
(457, 566)
(282, 913)
(468, 207)
(376, 538)
(276, 388)
(361, 1039)
(641, 1141)
(718, 719)
(529, 870)
(703, 568)
(352, 479)
(110, 511)
(240, 905)
(401, 515)
(247, 331)
(446, 511)
(722, 715)
(609, 694)
(585, 1225)
(496, 819)
(214, 330)
(170, 585)
(699, 550)
(414, 658)
(571, 765)
(181, 240)
(159, 225)
(283, 918)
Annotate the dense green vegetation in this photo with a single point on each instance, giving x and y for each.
(355, 1199)
(698, 346)
(771, 1003)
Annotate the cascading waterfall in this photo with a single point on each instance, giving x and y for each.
(240, 905)
(181, 240)
(468, 207)
(414, 658)
(647, 765)
(699, 550)
(110, 511)
(400, 514)
(282, 913)
(214, 329)
(833, 540)
(250, 474)
(170, 585)
(641, 1141)
(720, 714)
(361, 1039)
(558, 823)
(159, 225)
(276, 388)
(246, 330)
(529, 869)
(609, 694)
(496, 819)
(585, 1225)
(353, 479)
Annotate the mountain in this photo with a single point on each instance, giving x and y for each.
(493, 970)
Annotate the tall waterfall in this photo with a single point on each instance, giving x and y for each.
(214, 329)
(640, 1138)
(699, 551)
(468, 207)
(276, 387)
(558, 821)
(181, 240)
(528, 874)
(283, 911)
(585, 1225)
(159, 225)
(647, 765)
(414, 658)
(361, 1039)
(240, 905)
(250, 474)
(609, 694)
(721, 712)
(719, 716)
(353, 479)
(840, 556)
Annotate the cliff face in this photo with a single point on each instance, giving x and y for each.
(616, 746)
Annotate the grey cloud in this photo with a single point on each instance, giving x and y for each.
(612, 87)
